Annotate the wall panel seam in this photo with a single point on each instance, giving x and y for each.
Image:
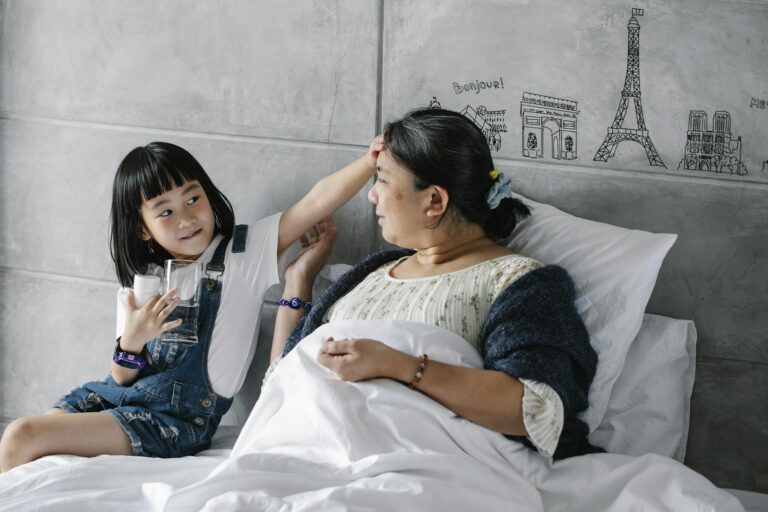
(52, 276)
(711, 360)
(380, 69)
(220, 136)
(626, 173)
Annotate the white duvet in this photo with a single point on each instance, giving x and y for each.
(314, 442)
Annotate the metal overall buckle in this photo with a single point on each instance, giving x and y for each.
(210, 282)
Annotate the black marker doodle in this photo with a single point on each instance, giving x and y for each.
(765, 166)
(478, 85)
(490, 122)
(758, 103)
(617, 134)
(555, 115)
(712, 150)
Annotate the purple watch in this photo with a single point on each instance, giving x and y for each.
(128, 360)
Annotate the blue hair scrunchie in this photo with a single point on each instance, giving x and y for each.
(501, 189)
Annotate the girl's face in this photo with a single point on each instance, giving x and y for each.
(180, 220)
(401, 209)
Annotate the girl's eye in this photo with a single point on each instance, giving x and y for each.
(379, 180)
(165, 213)
(193, 200)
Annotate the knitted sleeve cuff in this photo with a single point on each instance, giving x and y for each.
(543, 416)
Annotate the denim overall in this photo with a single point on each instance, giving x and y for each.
(171, 410)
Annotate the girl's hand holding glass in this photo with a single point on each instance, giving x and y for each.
(145, 323)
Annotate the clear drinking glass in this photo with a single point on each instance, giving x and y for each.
(185, 276)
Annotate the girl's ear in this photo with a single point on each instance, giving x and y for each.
(145, 234)
(438, 201)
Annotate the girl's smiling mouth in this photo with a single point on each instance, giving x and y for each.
(193, 234)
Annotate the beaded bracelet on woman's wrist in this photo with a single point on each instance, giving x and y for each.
(423, 360)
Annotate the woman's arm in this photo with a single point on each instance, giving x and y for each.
(489, 398)
(327, 196)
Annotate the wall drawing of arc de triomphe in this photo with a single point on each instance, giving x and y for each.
(551, 122)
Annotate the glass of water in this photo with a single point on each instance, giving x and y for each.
(185, 276)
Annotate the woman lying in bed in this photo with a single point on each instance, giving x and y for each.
(437, 192)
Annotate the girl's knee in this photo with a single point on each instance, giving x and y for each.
(20, 430)
(17, 442)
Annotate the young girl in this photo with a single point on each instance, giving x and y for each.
(166, 399)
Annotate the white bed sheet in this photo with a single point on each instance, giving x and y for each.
(313, 442)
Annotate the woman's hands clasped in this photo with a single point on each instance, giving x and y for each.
(145, 323)
(361, 359)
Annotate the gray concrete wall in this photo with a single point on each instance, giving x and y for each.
(270, 96)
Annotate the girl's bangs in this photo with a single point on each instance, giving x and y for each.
(156, 179)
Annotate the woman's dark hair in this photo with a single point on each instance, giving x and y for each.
(441, 147)
(144, 173)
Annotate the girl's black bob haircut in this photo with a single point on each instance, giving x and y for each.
(144, 173)
(445, 148)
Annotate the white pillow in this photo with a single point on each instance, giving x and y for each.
(650, 404)
(614, 270)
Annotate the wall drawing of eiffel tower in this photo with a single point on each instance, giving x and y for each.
(617, 134)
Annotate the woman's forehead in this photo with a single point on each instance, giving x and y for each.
(387, 164)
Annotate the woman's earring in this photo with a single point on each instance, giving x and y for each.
(150, 248)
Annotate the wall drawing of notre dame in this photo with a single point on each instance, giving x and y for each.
(712, 150)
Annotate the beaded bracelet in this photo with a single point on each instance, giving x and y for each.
(295, 303)
(423, 360)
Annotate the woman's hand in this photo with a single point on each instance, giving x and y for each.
(316, 248)
(327, 195)
(374, 148)
(361, 359)
(145, 323)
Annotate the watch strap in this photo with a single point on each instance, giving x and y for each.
(128, 359)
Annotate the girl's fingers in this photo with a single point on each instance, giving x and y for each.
(164, 300)
(169, 307)
(130, 300)
(167, 326)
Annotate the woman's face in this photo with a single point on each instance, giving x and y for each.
(181, 220)
(401, 209)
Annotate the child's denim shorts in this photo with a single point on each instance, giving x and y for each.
(152, 433)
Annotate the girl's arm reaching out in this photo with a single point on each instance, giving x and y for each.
(327, 196)
(299, 276)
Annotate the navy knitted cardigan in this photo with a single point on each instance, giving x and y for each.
(532, 331)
